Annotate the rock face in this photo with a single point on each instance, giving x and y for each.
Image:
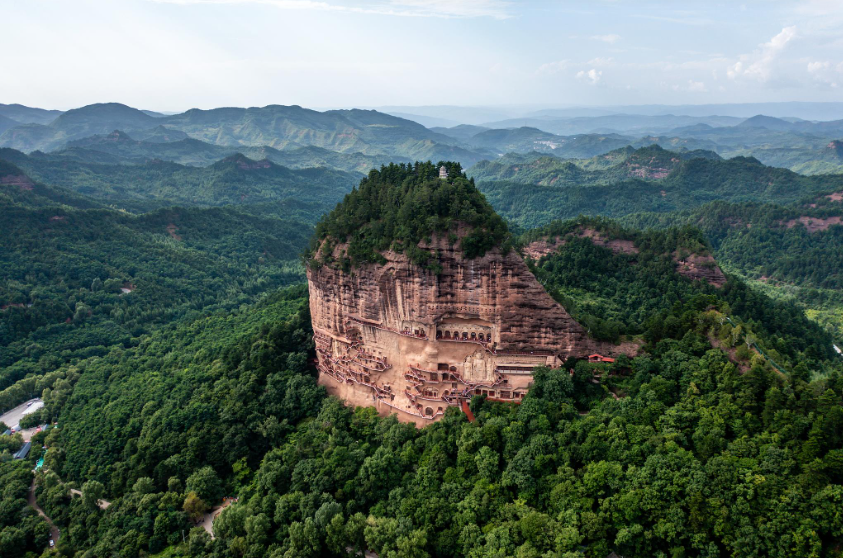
(546, 246)
(406, 340)
(701, 268)
(816, 224)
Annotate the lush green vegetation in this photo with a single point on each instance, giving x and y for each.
(18, 189)
(185, 414)
(22, 531)
(650, 163)
(398, 206)
(621, 293)
(694, 458)
(691, 183)
(75, 283)
(764, 240)
(773, 249)
(698, 460)
(236, 180)
(119, 147)
(198, 383)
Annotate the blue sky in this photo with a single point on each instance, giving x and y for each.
(171, 55)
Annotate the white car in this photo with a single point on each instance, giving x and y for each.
(52, 543)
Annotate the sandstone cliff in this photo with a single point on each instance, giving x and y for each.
(701, 268)
(454, 315)
(497, 289)
(408, 340)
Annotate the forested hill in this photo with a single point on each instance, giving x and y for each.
(76, 282)
(801, 244)
(18, 188)
(119, 147)
(793, 252)
(649, 163)
(236, 180)
(725, 453)
(620, 281)
(398, 206)
(690, 183)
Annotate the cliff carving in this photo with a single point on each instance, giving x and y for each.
(407, 340)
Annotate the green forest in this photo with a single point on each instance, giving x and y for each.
(699, 455)
(546, 189)
(398, 206)
(235, 180)
(173, 349)
(616, 294)
(77, 282)
(773, 247)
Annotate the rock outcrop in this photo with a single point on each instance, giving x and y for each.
(815, 224)
(407, 340)
(701, 268)
(545, 246)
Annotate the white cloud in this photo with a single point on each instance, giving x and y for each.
(826, 73)
(592, 76)
(611, 39)
(692, 87)
(759, 65)
(601, 61)
(818, 67)
(497, 9)
(553, 67)
(697, 86)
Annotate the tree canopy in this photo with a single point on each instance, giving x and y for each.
(397, 207)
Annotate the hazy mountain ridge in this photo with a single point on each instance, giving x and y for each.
(189, 151)
(281, 127)
(28, 115)
(373, 138)
(614, 123)
(648, 163)
(235, 180)
(533, 198)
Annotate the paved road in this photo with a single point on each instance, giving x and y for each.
(54, 531)
(12, 418)
(28, 433)
(208, 519)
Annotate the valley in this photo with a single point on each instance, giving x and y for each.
(273, 332)
(421, 279)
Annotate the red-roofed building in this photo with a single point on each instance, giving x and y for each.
(600, 358)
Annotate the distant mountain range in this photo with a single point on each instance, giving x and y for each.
(118, 147)
(484, 115)
(646, 163)
(28, 115)
(357, 140)
(534, 189)
(280, 127)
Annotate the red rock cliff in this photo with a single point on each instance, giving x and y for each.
(406, 339)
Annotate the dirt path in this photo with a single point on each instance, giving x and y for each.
(54, 531)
